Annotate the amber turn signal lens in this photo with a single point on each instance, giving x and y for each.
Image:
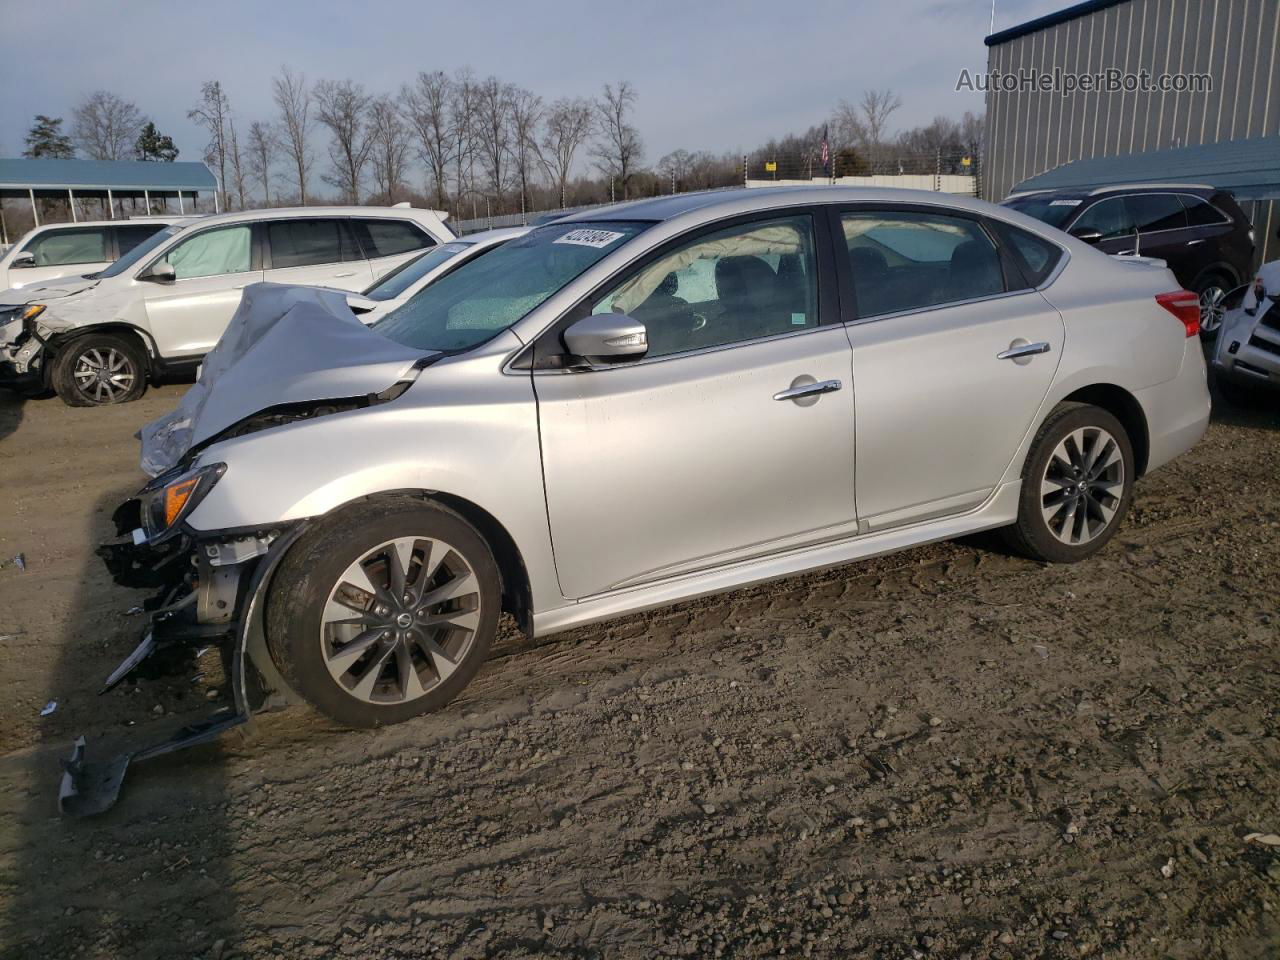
(176, 497)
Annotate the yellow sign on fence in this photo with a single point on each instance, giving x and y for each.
(770, 166)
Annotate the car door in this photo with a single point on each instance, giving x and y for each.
(389, 242)
(731, 438)
(1113, 219)
(60, 253)
(211, 269)
(951, 360)
(1163, 233)
(319, 251)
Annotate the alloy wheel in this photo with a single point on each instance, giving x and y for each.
(1211, 308)
(104, 375)
(400, 620)
(1082, 485)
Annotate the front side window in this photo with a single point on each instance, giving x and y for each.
(310, 242)
(389, 238)
(1110, 217)
(62, 247)
(212, 253)
(744, 282)
(1153, 212)
(908, 260)
(407, 274)
(487, 295)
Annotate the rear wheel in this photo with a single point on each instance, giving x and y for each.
(384, 611)
(1076, 485)
(99, 369)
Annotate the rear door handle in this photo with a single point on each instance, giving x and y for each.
(808, 390)
(351, 274)
(1017, 350)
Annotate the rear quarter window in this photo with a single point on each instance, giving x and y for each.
(388, 238)
(1036, 257)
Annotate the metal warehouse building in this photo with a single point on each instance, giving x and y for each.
(1232, 44)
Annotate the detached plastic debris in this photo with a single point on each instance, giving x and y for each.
(48, 708)
(1266, 839)
(133, 611)
(20, 561)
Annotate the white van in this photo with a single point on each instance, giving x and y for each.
(159, 309)
(59, 249)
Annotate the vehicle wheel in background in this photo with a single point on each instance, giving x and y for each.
(99, 369)
(384, 611)
(1076, 485)
(1212, 291)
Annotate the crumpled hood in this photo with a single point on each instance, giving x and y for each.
(285, 345)
(53, 289)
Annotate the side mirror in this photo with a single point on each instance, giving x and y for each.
(23, 261)
(609, 336)
(1087, 234)
(161, 272)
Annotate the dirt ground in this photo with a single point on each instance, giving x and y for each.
(950, 752)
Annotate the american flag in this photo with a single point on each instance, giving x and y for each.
(826, 154)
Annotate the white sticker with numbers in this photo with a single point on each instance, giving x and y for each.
(590, 238)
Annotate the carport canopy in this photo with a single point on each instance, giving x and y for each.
(107, 180)
(1250, 169)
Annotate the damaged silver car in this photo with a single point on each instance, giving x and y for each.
(637, 406)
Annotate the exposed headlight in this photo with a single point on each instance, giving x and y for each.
(168, 499)
(32, 310)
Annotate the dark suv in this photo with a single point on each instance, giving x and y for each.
(1200, 232)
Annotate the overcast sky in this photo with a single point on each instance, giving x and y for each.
(713, 76)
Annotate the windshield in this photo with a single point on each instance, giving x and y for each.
(139, 252)
(1053, 210)
(485, 296)
(407, 274)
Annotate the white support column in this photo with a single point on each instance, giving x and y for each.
(71, 199)
(217, 203)
(146, 196)
(111, 206)
(35, 211)
(182, 208)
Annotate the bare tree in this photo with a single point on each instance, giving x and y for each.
(293, 100)
(462, 113)
(425, 103)
(526, 113)
(390, 150)
(212, 112)
(676, 167)
(494, 102)
(264, 144)
(568, 124)
(342, 106)
(620, 150)
(876, 107)
(106, 126)
(237, 164)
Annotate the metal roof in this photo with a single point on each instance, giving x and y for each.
(1050, 20)
(43, 173)
(1250, 169)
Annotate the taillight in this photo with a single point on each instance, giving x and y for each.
(1184, 305)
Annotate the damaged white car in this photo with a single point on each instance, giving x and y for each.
(1246, 357)
(161, 307)
(632, 407)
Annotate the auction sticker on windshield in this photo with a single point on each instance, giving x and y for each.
(590, 238)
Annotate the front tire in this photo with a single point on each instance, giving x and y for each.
(384, 611)
(1212, 291)
(1076, 485)
(99, 369)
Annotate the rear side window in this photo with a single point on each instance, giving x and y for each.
(1035, 256)
(129, 237)
(1201, 214)
(310, 242)
(908, 260)
(61, 247)
(387, 238)
(1153, 212)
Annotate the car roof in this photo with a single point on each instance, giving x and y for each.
(158, 221)
(1114, 188)
(275, 213)
(496, 235)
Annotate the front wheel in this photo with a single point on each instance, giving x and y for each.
(384, 611)
(1076, 485)
(99, 369)
(1213, 295)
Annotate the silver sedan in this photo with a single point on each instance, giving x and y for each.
(650, 402)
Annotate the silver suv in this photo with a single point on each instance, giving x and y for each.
(648, 403)
(162, 306)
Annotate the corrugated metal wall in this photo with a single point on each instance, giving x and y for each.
(1235, 41)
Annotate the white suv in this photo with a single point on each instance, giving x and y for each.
(59, 249)
(159, 309)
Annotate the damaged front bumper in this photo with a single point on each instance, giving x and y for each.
(209, 592)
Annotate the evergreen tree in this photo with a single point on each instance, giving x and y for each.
(46, 139)
(154, 145)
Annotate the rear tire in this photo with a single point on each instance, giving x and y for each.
(351, 621)
(100, 369)
(1076, 485)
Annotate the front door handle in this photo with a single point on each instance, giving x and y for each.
(1022, 350)
(350, 274)
(799, 391)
